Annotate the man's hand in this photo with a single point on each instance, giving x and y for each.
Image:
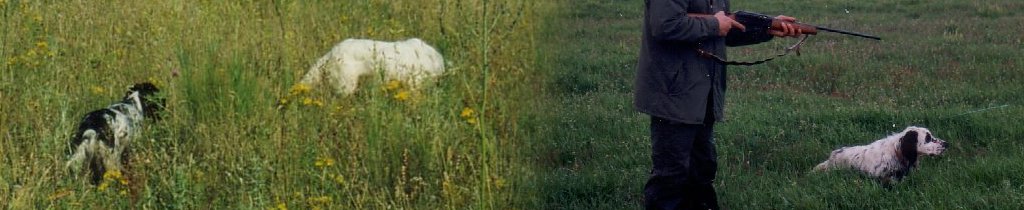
(788, 29)
(725, 23)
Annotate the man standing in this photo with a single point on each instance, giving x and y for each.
(684, 93)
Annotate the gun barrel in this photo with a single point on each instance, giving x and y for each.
(848, 33)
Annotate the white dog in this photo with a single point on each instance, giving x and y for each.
(889, 159)
(411, 62)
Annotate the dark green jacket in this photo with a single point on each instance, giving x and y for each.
(672, 80)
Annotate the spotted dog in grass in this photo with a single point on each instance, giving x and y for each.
(102, 140)
(889, 159)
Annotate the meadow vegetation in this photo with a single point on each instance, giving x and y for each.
(237, 134)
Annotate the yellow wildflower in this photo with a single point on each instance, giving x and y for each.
(281, 206)
(299, 89)
(97, 90)
(467, 112)
(469, 115)
(312, 102)
(340, 179)
(393, 85)
(324, 162)
(154, 81)
(402, 95)
(112, 176)
(115, 175)
(319, 200)
(103, 186)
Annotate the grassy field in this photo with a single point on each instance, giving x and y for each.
(952, 66)
(223, 67)
(534, 114)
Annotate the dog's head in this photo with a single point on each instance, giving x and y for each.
(923, 141)
(145, 94)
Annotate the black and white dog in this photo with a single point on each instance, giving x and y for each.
(888, 159)
(103, 137)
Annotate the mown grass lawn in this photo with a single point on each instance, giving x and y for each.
(952, 66)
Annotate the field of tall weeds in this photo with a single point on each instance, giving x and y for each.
(237, 134)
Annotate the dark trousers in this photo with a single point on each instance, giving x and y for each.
(685, 163)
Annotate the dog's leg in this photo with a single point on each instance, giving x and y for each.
(887, 182)
(347, 78)
(414, 76)
(834, 158)
(96, 169)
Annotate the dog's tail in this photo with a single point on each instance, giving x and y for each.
(78, 151)
(823, 166)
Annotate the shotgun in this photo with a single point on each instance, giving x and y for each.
(763, 22)
(758, 25)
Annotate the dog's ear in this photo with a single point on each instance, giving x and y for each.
(144, 88)
(151, 104)
(908, 147)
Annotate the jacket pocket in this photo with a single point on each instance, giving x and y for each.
(672, 75)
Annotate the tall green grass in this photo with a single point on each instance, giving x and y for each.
(224, 143)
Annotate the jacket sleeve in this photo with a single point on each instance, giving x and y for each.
(669, 22)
